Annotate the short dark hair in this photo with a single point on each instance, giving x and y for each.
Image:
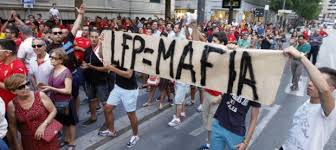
(332, 74)
(14, 30)
(221, 36)
(300, 36)
(95, 30)
(8, 44)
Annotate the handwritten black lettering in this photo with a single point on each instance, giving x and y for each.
(204, 61)
(146, 61)
(232, 72)
(246, 65)
(166, 54)
(113, 62)
(137, 50)
(187, 49)
(125, 47)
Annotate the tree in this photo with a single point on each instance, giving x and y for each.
(308, 9)
(278, 4)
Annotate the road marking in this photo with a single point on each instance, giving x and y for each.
(262, 124)
(187, 121)
(302, 87)
(197, 131)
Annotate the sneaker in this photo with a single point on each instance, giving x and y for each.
(175, 122)
(89, 122)
(98, 110)
(199, 108)
(205, 147)
(171, 102)
(183, 114)
(190, 102)
(107, 133)
(133, 141)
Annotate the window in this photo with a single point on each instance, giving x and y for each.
(155, 1)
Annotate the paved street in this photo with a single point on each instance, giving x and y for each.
(273, 124)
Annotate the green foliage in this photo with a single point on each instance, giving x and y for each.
(308, 9)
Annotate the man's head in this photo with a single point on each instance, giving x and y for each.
(65, 33)
(39, 46)
(12, 32)
(245, 36)
(220, 38)
(329, 75)
(7, 49)
(39, 16)
(177, 28)
(169, 27)
(26, 31)
(154, 26)
(301, 39)
(56, 35)
(53, 5)
(86, 31)
(94, 37)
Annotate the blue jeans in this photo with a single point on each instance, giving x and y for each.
(221, 137)
(3, 145)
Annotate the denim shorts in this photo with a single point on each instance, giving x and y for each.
(181, 91)
(222, 138)
(127, 97)
(99, 91)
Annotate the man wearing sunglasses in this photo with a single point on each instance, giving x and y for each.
(67, 43)
(40, 66)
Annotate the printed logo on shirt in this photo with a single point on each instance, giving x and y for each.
(231, 104)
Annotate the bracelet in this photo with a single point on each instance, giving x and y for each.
(245, 142)
(301, 55)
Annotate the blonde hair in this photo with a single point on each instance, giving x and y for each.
(60, 53)
(14, 81)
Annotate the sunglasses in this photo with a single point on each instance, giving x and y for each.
(59, 33)
(23, 86)
(37, 46)
(53, 57)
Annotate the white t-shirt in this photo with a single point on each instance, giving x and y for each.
(3, 121)
(311, 129)
(42, 71)
(26, 50)
(54, 12)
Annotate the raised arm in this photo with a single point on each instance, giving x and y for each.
(325, 93)
(79, 19)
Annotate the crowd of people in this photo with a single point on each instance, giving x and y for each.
(43, 64)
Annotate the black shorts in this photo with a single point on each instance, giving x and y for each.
(69, 119)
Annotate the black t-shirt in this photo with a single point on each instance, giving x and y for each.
(91, 75)
(128, 84)
(231, 113)
(68, 46)
(265, 44)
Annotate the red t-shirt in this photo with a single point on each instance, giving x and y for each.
(305, 35)
(83, 43)
(15, 67)
(232, 38)
(323, 33)
(213, 93)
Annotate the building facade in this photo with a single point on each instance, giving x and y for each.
(328, 12)
(214, 10)
(103, 8)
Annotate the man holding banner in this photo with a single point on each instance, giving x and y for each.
(315, 120)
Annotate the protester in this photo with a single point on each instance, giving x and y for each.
(209, 108)
(96, 77)
(315, 120)
(181, 89)
(40, 66)
(244, 42)
(59, 88)
(315, 41)
(33, 112)
(296, 66)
